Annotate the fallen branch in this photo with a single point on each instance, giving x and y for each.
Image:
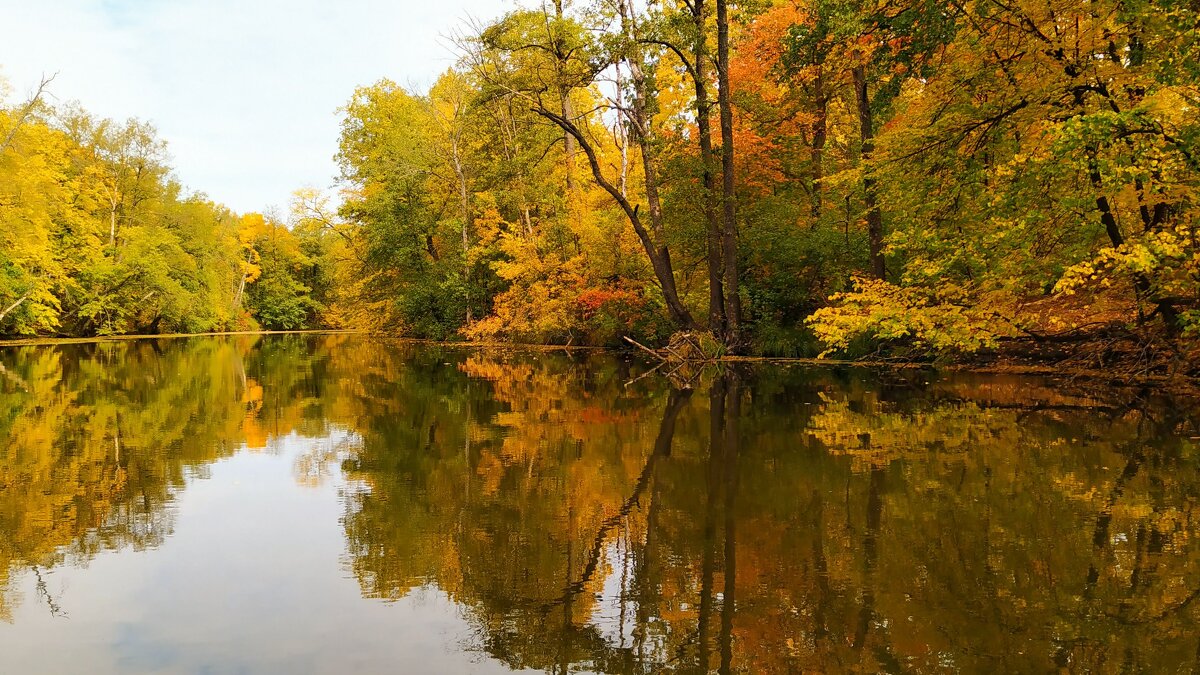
(13, 306)
(644, 348)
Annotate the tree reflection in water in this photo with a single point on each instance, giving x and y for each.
(777, 520)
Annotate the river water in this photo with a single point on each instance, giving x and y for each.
(334, 504)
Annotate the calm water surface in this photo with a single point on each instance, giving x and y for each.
(334, 504)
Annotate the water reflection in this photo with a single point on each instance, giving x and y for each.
(775, 520)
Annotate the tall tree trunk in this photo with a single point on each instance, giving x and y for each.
(465, 206)
(564, 96)
(569, 145)
(866, 126)
(716, 263)
(733, 303)
(112, 220)
(820, 132)
(640, 113)
(620, 130)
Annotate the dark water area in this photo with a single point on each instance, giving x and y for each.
(335, 504)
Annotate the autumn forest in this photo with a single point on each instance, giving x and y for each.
(910, 178)
(640, 337)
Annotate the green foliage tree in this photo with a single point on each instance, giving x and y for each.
(99, 239)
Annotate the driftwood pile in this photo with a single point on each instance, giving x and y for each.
(683, 358)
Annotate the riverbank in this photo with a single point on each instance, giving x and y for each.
(1068, 369)
(50, 341)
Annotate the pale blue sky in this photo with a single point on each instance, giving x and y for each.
(244, 91)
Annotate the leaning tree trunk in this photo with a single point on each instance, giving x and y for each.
(640, 114)
(659, 263)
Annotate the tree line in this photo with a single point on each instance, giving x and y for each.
(794, 177)
(98, 238)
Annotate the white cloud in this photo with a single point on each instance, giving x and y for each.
(245, 92)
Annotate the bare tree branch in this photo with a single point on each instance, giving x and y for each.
(26, 111)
